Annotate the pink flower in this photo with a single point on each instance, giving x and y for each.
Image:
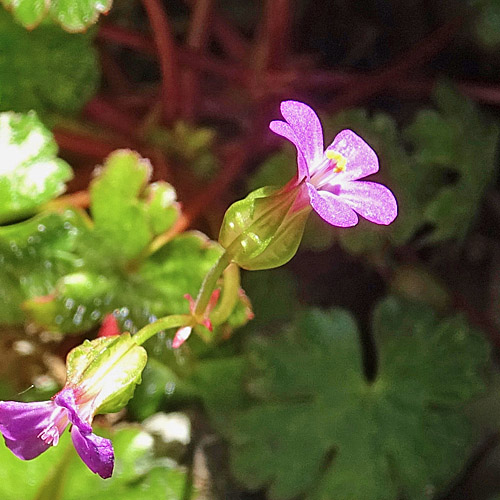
(332, 175)
(30, 429)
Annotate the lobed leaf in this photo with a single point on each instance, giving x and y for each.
(316, 427)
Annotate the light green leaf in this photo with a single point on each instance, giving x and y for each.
(30, 172)
(72, 15)
(318, 428)
(162, 208)
(34, 255)
(47, 70)
(121, 221)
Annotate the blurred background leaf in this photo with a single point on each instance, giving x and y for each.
(39, 70)
(72, 15)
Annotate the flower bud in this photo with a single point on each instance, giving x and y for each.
(264, 230)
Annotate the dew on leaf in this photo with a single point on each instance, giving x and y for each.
(95, 314)
(41, 228)
(169, 388)
(69, 303)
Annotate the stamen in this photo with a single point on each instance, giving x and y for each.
(50, 435)
(340, 160)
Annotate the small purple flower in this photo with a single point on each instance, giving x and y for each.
(331, 175)
(29, 429)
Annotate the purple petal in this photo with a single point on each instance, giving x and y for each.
(331, 208)
(66, 399)
(307, 128)
(95, 451)
(373, 201)
(361, 159)
(283, 129)
(22, 423)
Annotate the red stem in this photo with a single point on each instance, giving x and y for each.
(197, 40)
(232, 42)
(411, 60)
(105, 113)
(272, 39)
(167, 55)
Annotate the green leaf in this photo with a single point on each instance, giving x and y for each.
(28, 12)
(158, 383)
(121, 221)
(59, 474)
(487, 23)
(281, 285)
(162, 209)
(157, 288)
(72, 15)
(30, 172)
(458, 139)
(218, 383)
(108, 265)
(34, 255)
(188, 146)
(318, 428)
(47, 70)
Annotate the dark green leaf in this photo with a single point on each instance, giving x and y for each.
(39, 70)
(454, 139)
(318, 428)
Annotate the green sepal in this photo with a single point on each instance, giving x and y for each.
(264, 230)
(106, 370)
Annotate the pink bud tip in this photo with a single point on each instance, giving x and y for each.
(109, 327)
(181, 336)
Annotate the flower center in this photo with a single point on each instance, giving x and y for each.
(58, 421)
(327, 170)
(340, 161)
